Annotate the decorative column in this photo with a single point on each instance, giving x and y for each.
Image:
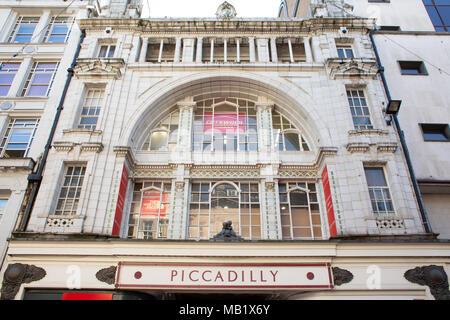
(184, 139)
(308, 52)
(225, 49)
(178, 205)
(199, 57)
(143, 54)
(161, 48)
(16, 85)
(211, 56)
(264, 116)
(273, 48)
(271, 223)
(39, 31)
(291, 54)
(177, 50)
(251, 44)
(238, 50)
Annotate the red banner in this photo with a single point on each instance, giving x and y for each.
(329, 202)
(151, 203)
(224, 122)
(120, 201)
(86, 296)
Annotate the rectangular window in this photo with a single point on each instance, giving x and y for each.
(359, 109)
(18, 137)
(3, 202)
(7, 73)
(439, 12)
(149, 212)
(106, 51)
(299, 211)
(412, 68)
(59, 29)
(91, 108)
(23, 30)
(69, 196)
(435, 132)
(40, 79)
(345, 52)
(379, 192)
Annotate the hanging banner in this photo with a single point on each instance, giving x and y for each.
(151, 204)
(329, 202)
(224, 122)
(120, 201)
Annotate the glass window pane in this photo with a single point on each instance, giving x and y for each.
(292, 142)
(375, 177)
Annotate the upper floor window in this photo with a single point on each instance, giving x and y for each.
(380, 195)
(18, 137)
(359, 109)
(106, 51)
(3, 202)
(149, 213)
(435, 131)
(413, 68)
(7, 73)
(286, 136)
(40, 79)
(59, 29)
(225, 125)
(92, 105)
(345, 52)
(439, 12)
(23, 29)
(69, 195)
(164, 136)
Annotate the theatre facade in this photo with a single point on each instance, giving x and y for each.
(245, 157)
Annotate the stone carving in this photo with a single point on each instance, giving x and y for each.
(432, 276)
(225, 11)
(15, 275)
(107, 275)
(341, 276)
(227, 234)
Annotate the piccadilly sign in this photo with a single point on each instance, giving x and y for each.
(224, 276)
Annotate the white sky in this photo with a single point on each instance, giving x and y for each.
(207, 8)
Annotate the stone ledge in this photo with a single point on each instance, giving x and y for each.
(16, 164)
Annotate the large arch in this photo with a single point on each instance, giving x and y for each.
(292, 101)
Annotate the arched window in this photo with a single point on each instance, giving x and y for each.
(164, 136)
(225, 125)
(299, 209)
(149, 214)
(213, 203)
(286, 136)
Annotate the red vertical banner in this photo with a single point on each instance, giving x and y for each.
(329, 202)
(120, 202)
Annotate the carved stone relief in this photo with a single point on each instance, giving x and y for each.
(107, 275)
(432, 276)
(15, 275)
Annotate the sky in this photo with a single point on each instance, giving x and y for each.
(207, 8)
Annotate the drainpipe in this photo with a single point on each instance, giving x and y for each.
(401, 135)
(36, 177)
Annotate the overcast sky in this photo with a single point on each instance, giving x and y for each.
(207, 8)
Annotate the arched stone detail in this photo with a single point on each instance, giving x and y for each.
(293, 101)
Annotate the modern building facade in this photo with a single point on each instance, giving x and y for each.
(249, 157)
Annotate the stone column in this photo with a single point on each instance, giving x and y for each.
(177, 50)
(40, 30)
(144, 47)
(16, 85)
(251, 45)
(264, 118)
(291, 54)
(184, 139)
(199, 57)
(271, 223)
(178, 205)
(225, 41)
(211, 57)
(238, 50)
(161, 48)
(308, 52)
(273, 48)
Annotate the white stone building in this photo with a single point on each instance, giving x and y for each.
(38, 40)
(172, 127)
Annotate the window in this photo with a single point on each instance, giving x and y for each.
(285, 135)
(379, 192)
(213, 203)
(149, 215)
(59, 29)
(23, 30)
(439, 12)
(345, 52)
(69, 196)
(164, 136)
(435, 132)
(7, 73)
(91, 108)
(359, 109)
(18, 137)
(299, 210)
(106, 51)
(3, 202)
(389, 28)
(412, 68)
(225, 125)
(40, 79)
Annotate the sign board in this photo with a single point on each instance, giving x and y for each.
(329, 202)
(151, 203)
(224, 122)
(224, 276)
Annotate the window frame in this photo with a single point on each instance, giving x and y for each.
(9, 71)
(438, 12)
(79, 187)
(10, 129)
(53, 22)
(354, 110)
(108, 54)
(376, 213)
(445, 131)
(411, 65)
(17, 25)
(4, 200)
(344, 48)
(97, 108)
(28, 85)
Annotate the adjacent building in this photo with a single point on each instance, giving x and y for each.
(230, 157)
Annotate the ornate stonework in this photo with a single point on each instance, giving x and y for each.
(432, 276)
(15, 275)
(107, 275)
(341, 276)
(225, 11)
